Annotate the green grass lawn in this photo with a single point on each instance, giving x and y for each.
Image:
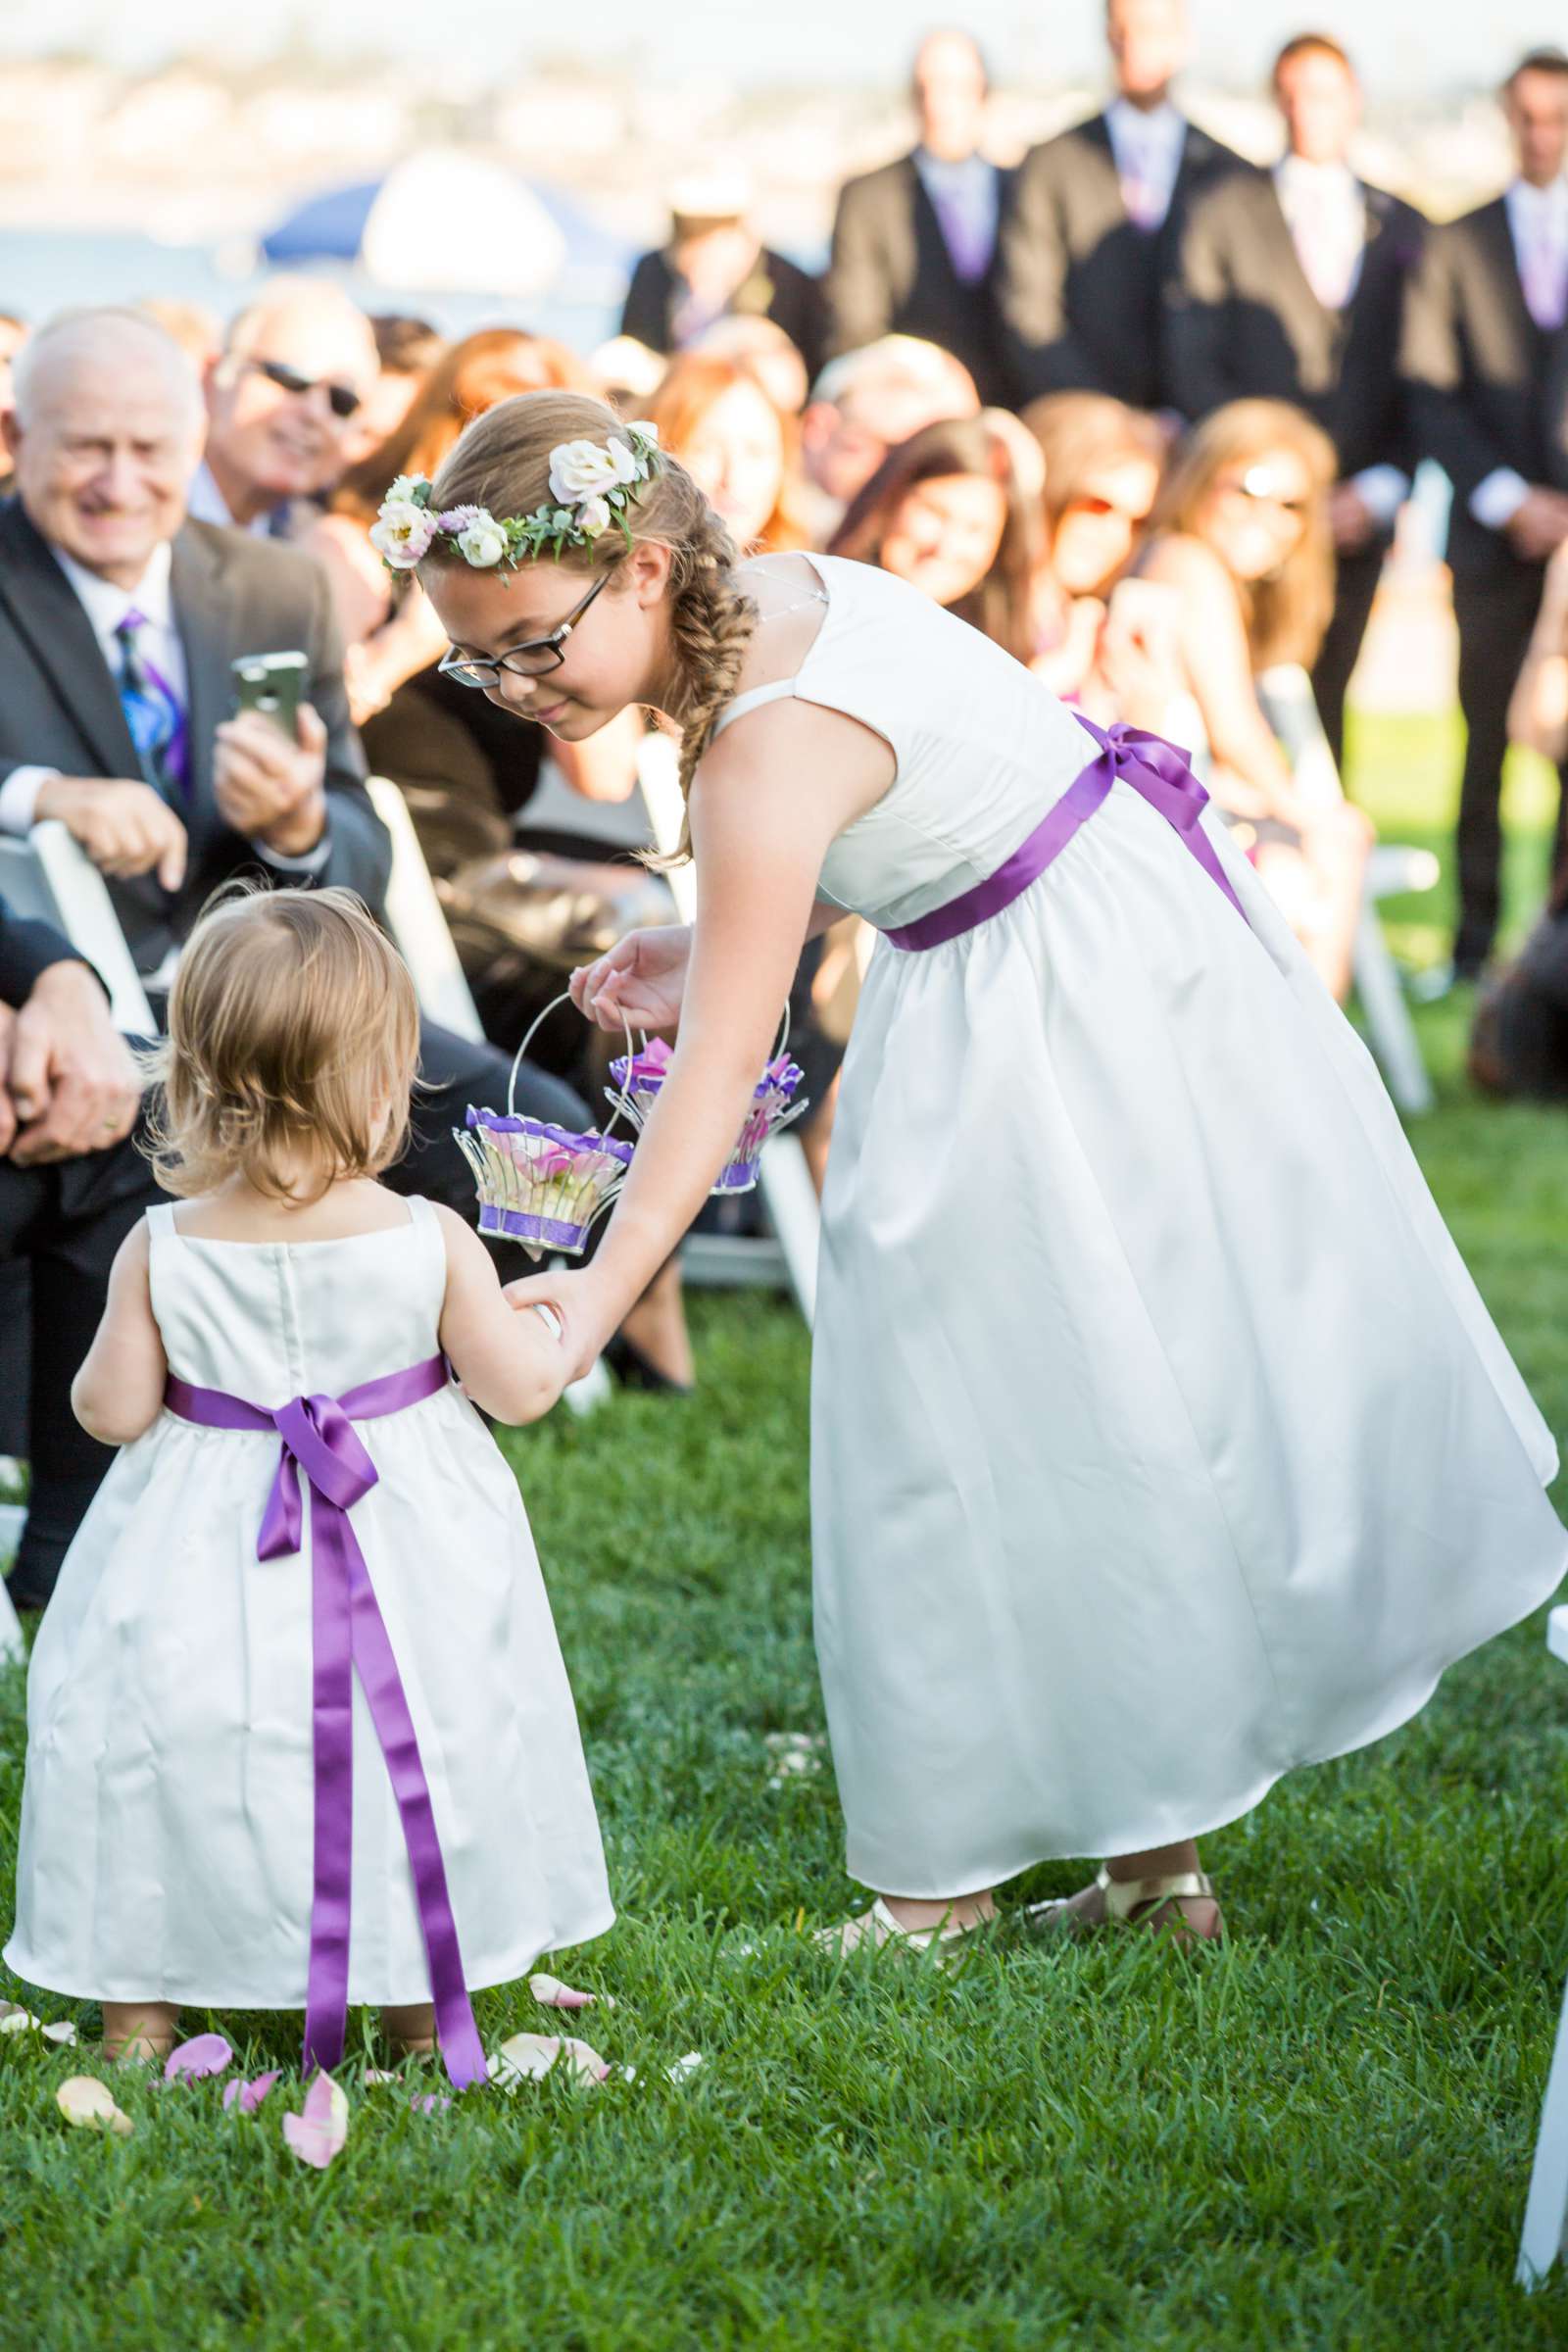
(1317, 2135)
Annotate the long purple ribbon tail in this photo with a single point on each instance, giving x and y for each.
(349, 1635)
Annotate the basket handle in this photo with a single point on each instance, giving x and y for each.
(783, 1040)
(534, 1027)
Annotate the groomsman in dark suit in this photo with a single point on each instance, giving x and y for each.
(1484, 352)
(1081, 252)
(915, 243)
(716, 267)
(1290, 285)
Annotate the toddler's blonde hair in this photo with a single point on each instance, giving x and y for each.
(292, 1023)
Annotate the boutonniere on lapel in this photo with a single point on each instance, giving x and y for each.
(754, 294)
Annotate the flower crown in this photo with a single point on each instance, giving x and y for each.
(592, 484)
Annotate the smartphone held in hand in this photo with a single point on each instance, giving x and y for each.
(272, 684)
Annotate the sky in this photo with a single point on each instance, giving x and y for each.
(1403, 46)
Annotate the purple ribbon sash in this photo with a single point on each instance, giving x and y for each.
(1159, 771)
(349, 1635)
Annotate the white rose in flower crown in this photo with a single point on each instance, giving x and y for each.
(483, 543)
(593, 517)
(402, 489)
(580, 469)
(402, 533)
(644, 431)
(628, 465)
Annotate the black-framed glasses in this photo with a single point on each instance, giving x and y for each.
(342, 399)
(534, 658)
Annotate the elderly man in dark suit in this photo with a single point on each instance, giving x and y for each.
(1486, 328)
(915, 243)
(119, 624)
(1290, 285)
(72, 1186)
(1089, 219)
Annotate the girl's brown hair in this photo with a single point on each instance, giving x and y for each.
(696, 382)
(1080, 434)
(1001, 606)
(292, 1021)
(503, 462)
(1288, 613)
(493, 365)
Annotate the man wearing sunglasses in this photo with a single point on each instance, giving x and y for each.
(300, 364)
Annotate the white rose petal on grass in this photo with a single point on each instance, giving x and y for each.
(318, 2135)
(678, 2073)
(483, 543)
(86, 2102)
(529, 2057)
(14, 2018)
(792, 1754)
(551, 1994)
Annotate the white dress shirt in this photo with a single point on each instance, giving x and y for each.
(206, 503)
(1148, 148)
(967, 198)
(159, 643)
(1325, 211)
(1538, 223)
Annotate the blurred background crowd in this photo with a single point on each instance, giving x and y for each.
(1206, 416)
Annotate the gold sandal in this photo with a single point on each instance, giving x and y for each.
(1124, 1897)
(878, 1927)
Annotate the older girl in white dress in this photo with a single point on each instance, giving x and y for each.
(1161, 1441)
(298, 1729)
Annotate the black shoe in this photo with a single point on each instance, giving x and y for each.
(634, 1370)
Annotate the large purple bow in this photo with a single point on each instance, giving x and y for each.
(1159, 771)
(319, 1442)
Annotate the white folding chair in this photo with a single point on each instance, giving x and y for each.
(13, 1518)
(414, 916)
(46, 874)
(1290, 707)
(784, 1179)
(1546, 2232)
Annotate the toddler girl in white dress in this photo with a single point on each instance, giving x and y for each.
(299, 1733)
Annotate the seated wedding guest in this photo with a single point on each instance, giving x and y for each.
(197, 330)
(625, 371)
(1241, 534)
(300, 364)
(946, 511)
(1102, 463)
(72, 1186)
(120, 622)
(1519, 1036)
(408, 348)
(914, 242)
(766, 350)
(864, 404)
(12, 335)
(715, 263)
(1290, 285)
(715, 417)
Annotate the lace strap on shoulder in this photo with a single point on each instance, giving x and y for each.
(751, 699)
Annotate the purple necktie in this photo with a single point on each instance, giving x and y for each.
(964, 232)
(153, 713)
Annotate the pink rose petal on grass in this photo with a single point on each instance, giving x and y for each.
(429, 2102)
(206, 2054)
(551, 1994)
(318, 2135)
(249, 2095)
(529, 2057)
(84, 2100)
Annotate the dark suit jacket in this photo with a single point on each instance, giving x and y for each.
(1242, 321)
(1486, 383)
(60, 705)
(776, 289)
(890, 273)
(1079, 286)
(26, 951)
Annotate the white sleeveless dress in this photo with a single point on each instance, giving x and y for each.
(1161, 1441)
(167, 1840)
